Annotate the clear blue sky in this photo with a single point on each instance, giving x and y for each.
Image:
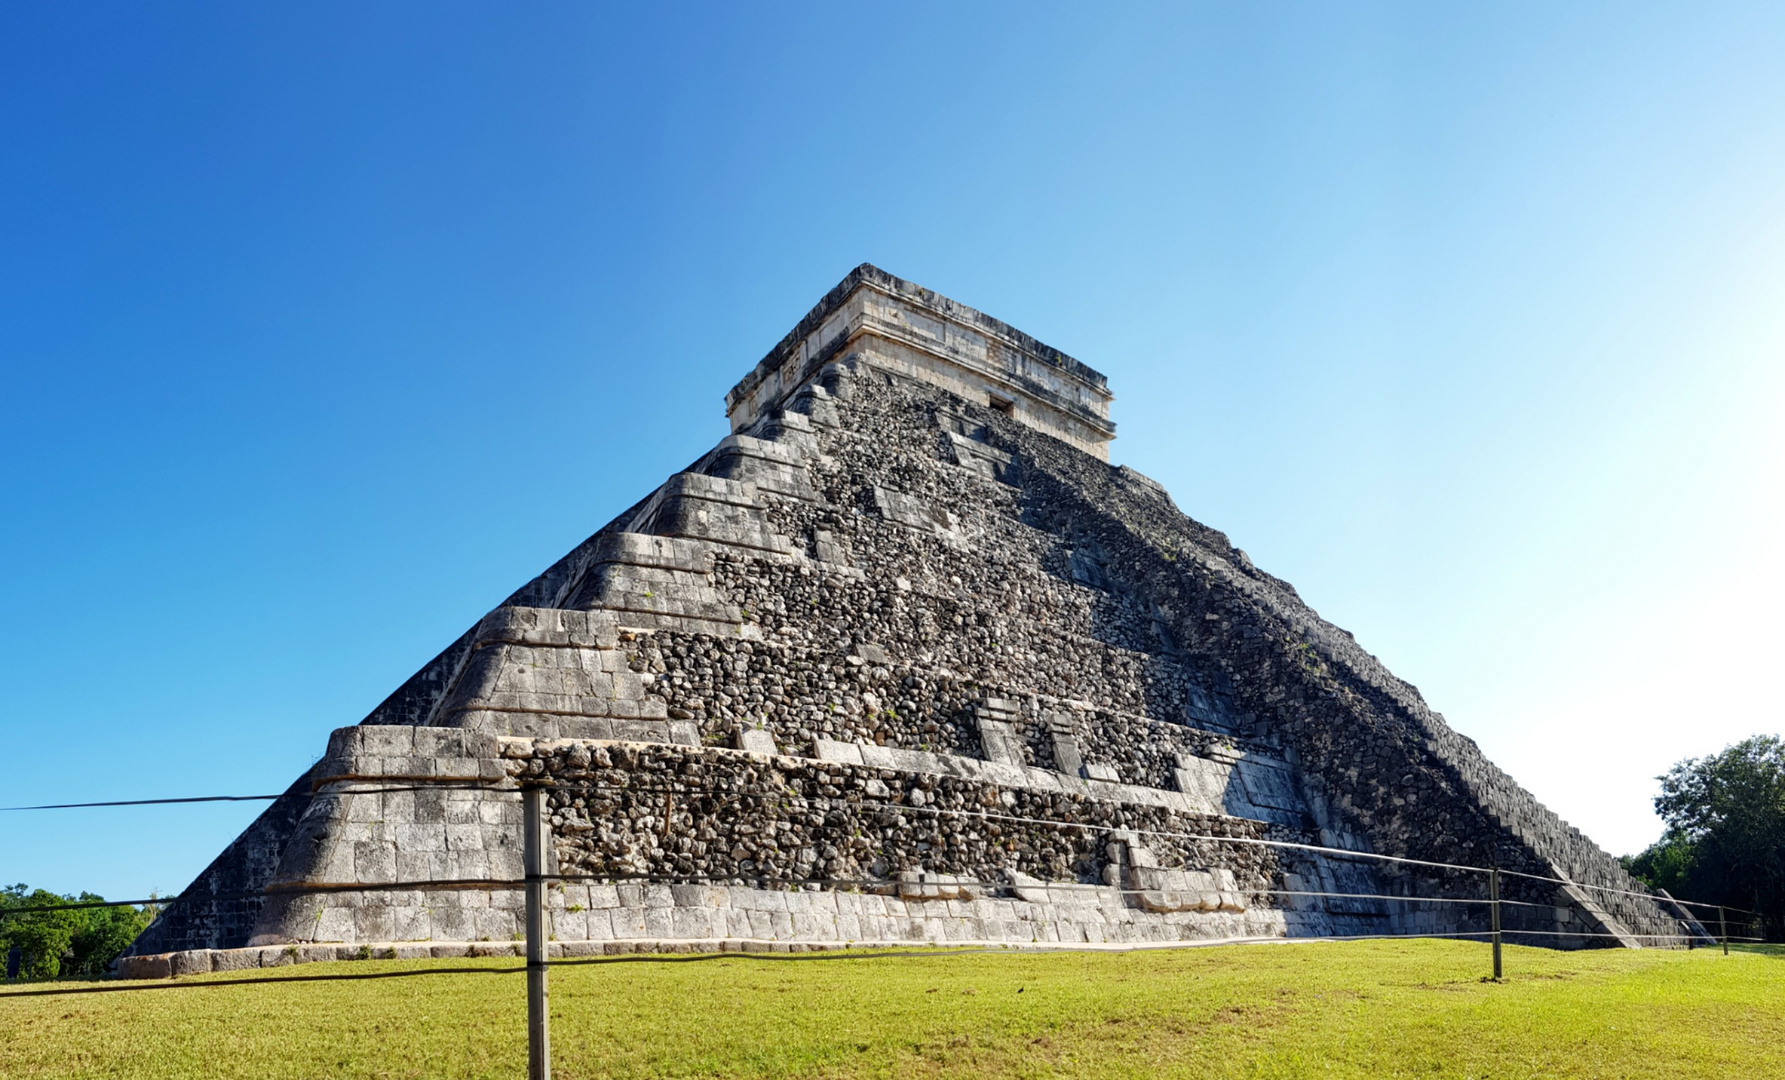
(324, 326)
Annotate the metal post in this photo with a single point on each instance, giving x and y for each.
(1493, 884)
(1723, 925)
(539, 1057)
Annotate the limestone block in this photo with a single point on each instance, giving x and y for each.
(999, 741)
(314, 953)
(882, 757)
(1204, 782)
(660, 552)
(362, 809)
(412, 922)
(416, 838)
(843, 753)
(598, 925)
(656, 731)
(1270, 783)
(492, 924)
(373, 861)
(277, 955)
(451, 922)
(547, 627)
(332, 921)
(984, 460)
(440, 742)
(828, 548)
(659, 922)
(464, 838)
(379, 741)
(771, 466)
(627, 922)
(235, 959)
(375, 922)
(466, 807)
(691, 923)
(569, 925)
(189, 962)
(914, 513)
(756, 741)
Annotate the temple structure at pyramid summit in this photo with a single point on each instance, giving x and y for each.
(903, 658)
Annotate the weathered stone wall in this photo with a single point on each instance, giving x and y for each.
(891, 847)
(1372, 753)
(876, 581)
(905, 329)
(662, 812)
(212, 912)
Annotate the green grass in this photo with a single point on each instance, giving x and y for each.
(1368, 1009)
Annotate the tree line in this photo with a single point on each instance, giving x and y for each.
(76, 943)
(1725, 838)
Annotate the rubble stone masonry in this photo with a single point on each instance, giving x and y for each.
(902, 658)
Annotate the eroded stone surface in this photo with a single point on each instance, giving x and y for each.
(904, 604)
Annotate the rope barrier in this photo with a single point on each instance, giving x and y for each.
(455, 783)
(452, 784)
(1629, 892)
(143, 802)
(1170, 834)
(325, 888)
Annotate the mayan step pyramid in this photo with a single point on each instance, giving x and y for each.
(903, 658)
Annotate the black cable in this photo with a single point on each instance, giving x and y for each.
(634, 958)
(146, 802)
(458, 784)
(259, 979)
(453, 784)
(1091, 826)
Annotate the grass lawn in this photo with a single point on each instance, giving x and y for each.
(1361, 1009)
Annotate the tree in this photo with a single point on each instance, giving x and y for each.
(73, 942)
(1666, 864)
(1725, 839)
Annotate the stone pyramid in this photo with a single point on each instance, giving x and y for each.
(902, 658)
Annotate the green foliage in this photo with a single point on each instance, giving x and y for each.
(66, 944)
(1666, 864)
(1725, 840)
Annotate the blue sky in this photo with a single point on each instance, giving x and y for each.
(325, 326)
